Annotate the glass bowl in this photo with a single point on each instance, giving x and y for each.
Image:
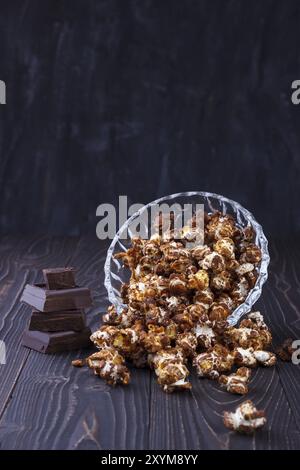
(116, 274)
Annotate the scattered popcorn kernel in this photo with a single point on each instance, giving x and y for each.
(245, 419)
(285, 351)
(237, 382)
(213, 362)
(265, 358)
(79, 362)
(245, 357)
(109, 365)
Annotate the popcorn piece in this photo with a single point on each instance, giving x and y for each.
(240, 290)
(187, 342)
(246, 418)
(124, 340)
(211, 363)
(199, 252)
(170, 369)
(285, 351)
(250, 254)
(184, 320)
(133, 255)
(213, 261)
(196, 311)
(111, 317)
(251, 278)
(204, 298)
(177, 284)
(244, 268)
(248, 234)
(265, 358)
(103, 337)
(221, 281)
(225, 247)
(257, 319)
(245, 357)
(157, 315)
(236, 382)
(225, 299)
(251, 358)
(155, 339)
(79, 362)
(109, 365)
(246, 337)
(199, 281)
(221, 226)
(218, 311)
(205, 334)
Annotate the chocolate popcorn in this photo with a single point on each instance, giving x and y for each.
(213, 362)
(187, 343)
(236, 382)
(251, 333)
(285, 351)
(109, 365)
(246, 419)
(251, 358)
(177, 302)
(170, 368)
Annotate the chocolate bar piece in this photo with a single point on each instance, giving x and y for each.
(59, 278)
(45, 300)
(51, 343)
(65, 320)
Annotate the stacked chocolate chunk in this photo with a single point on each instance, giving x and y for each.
(57, 321)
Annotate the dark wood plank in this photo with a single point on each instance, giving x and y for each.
(56, 406)
(81, 412)
(21, 260)
(194, 421)
(84, 413)
(282, 304)
(183, 421)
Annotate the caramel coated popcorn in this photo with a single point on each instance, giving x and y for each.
(213, 362)
(246, 419)
(236, 382)
(169, 366)
(251, 333)
(251, 358)
(177, 302)
(109, 365)
(286, 350)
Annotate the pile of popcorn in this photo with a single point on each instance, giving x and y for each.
(177, 301)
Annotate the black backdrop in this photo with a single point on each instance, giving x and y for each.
(146, 98)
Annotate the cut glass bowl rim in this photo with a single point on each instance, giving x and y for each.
(260, 239)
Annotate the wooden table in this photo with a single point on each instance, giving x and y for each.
(45, 403)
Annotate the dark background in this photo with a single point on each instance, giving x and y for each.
(147, 98)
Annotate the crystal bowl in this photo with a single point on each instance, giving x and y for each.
(116, 274)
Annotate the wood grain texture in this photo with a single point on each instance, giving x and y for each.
(51, 405)
(81, 412)
(146, 99)
(20, 262)
(282, 302)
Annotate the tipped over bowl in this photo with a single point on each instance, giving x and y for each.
(116, 274)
